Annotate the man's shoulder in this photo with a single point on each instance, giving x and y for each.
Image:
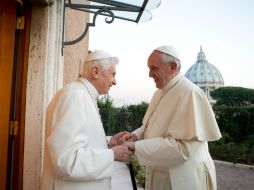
(70, 89)
(70, 92)
(186, 88)
(189, 85)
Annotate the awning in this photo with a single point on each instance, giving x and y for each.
(129, 10)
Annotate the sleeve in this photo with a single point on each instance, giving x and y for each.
(161, 152)
(71, 156)
(108, 139)
(139, 132)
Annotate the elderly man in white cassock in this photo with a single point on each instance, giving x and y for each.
(172, 142)
(77, 156)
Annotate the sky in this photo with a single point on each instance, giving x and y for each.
(224, 28)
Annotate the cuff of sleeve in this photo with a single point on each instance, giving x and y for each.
(138, 135)
(108, 140)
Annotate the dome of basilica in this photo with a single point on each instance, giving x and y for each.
(204, 74)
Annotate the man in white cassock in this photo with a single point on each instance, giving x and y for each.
(172, 141)
(77, 156)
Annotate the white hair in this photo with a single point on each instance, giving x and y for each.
(168, 59)
(104, 64)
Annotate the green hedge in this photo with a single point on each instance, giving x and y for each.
(236, 125)
(236, 122)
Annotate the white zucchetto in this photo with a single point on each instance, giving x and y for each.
(169, 50)
(100, 54)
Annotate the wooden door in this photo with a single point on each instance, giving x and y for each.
(7, 40)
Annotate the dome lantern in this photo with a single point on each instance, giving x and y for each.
(201, 55)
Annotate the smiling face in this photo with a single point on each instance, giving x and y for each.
(160, 71)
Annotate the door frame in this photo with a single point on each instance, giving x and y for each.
(14, 180)
(19, 91)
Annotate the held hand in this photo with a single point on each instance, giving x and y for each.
(114, 139)
(130, 145)
(128, 137)
(122, 153)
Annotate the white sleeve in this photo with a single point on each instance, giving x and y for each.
(161, 152)
(70, 153)
(139, 132)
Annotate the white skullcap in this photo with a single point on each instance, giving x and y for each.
(99, 54)
(169, 50)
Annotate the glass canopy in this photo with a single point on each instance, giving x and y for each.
(129, 10)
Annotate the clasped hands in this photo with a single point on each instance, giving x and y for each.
(123, 145)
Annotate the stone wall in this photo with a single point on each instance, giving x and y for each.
(47, 71)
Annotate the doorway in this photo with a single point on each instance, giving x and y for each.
(14, 35)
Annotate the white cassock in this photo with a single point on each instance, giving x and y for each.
(173, 138)
(76, 151)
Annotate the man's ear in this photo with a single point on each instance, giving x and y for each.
(173, 66)
(95, 71)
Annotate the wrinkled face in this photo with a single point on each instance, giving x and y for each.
(107, 79)
(159, 71)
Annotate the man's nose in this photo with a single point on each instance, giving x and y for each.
(114, 82)
(150, 73)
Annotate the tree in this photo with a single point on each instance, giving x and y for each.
(234, 112)
(105, 102)
(138, 112)
(233, 96)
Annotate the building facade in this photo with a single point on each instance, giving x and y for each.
(32, 69)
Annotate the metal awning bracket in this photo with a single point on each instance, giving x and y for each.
(129, 10)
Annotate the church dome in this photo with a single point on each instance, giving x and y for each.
(204, 74)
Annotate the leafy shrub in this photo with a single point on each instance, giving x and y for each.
(139, 171)
(233, 152)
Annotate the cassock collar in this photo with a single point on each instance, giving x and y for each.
(172, 83)
(90, 87)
